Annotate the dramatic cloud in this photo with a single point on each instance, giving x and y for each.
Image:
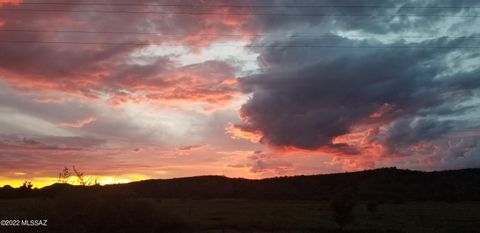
(345, 94)
(45, 51)
(309, 106)
(166, 89)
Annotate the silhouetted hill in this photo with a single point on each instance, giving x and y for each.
(382, 185)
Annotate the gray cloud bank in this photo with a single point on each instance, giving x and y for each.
(409, 91)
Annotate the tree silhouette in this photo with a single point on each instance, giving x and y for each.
(342, 209)
(26, 189)
(27, 185)
(372, 207)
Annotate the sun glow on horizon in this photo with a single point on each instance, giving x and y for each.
(40, 182)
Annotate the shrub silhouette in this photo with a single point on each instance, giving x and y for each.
(25, 190)
(372, 207)
(342, 209)
(65, 175)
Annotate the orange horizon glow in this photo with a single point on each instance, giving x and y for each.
(40, 182)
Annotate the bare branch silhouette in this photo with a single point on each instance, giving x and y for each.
(64, 176)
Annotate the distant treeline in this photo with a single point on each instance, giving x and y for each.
(381, 185)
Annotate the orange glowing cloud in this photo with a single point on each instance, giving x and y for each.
(353, 164)
(7, 2)
(340, 150)
(122, 98)
(221, 25)
(212, 82)
(341, 146)
(356, 144)
(239, 133)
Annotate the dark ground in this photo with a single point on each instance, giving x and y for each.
(385, 200)
(146, 215)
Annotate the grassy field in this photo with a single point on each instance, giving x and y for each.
(310, 215)
(172, 215)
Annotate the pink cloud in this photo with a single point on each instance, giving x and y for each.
(46, 100)
(78, 124)
(98, 70)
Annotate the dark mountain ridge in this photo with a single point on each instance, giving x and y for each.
(382, 185)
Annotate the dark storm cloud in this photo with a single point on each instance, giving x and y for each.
(405, 132)
(307, 106)
(366, 16)
(306, 96)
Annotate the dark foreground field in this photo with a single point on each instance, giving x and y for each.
(148, 215)
(384, 200)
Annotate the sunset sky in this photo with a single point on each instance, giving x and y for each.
(133, 90)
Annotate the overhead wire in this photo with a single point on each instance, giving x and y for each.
(157, 33)
(224, 13)
(239, 5)
(229, 13)
(246, 46)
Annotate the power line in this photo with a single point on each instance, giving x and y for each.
(242, 6)
(234, 14)
(226, 35)
(246, 46)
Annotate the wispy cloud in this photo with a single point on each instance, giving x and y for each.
(78, 124)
